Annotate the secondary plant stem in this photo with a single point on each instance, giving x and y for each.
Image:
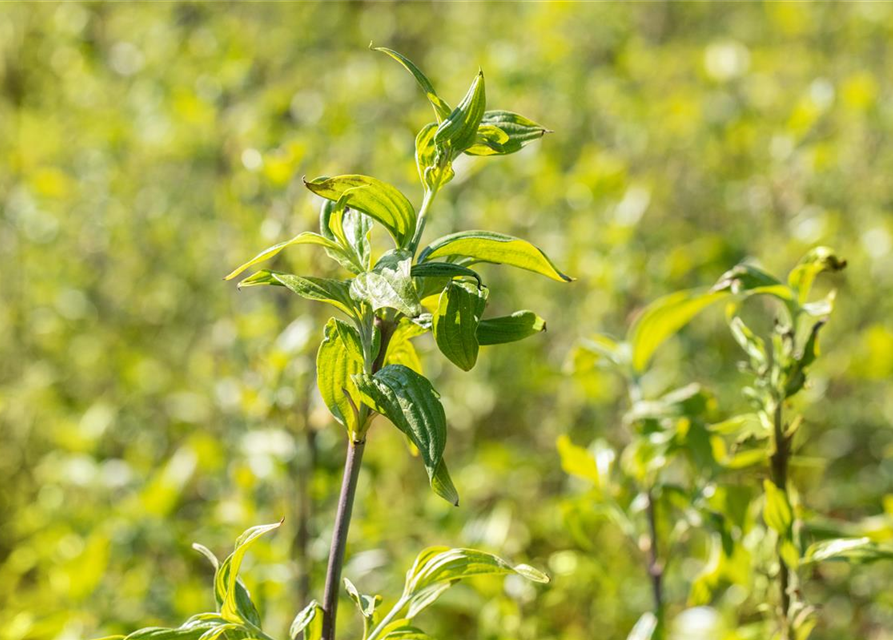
(420, 224)
(779, 465)
(655, 570)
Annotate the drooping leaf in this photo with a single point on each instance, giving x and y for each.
(498, 248)
(307, 237)
(339, 358)
(441, 108)
(409, 401)
(234, 608)
(435, 165)
(377, 199)
(442, 484)
(812, 264)
(438, 568)
(517, 131)
(389, 284)
(456, 321)
(854, 550)
(505, 329)
(663, 318)
(308, 621)
(777, 510)
(334, 292)
(458, 130)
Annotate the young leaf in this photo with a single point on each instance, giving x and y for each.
(350, 229)
(441, 108)
(812, 264)
(777, 510)
(365, 604)
(504, 329)
(232, 608)
(498, 248)
(435, 167)
(438, 568)
(389, 285)
(752, 344)
(308, 621)
(517, 131)
(457, 132)
(456, 321)
(406, 632)
(409, 401)
(400, 348)
(306, 237)
(339, 358)
(334, 292)
(664, 317)
(379, 200)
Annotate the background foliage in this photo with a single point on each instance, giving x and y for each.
(147, 149)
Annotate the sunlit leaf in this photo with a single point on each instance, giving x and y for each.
(497, 248)
(308, 622)
(365, 604)
(458, 130)
(379, 200)
(663, 318)
(351, 230)
(234, 609)
(334, 292)
(441, 108)
(516, 132)
(306, 237)
(818, 260)
(339, 358)
(456, 320)
(854, 550)
(389, 285)
(400, 348)
(645, 627)
(777, 510)
(435, 165)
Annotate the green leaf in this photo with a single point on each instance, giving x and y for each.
(795, 373)
(339, 358)
(443, 270)
(308, 621)
(389, 284)
(456, 321)
(351, 230)
(517, 131)
(365, 604)
(435, 165)
(400, 348)
(818, 260)
(458, 131)
(233, 608)
(752, 344)
(188, 631)
(306, 237)
(748, 280)
(409, 401)
(497, 248)
(777, 510)
(442, 484)
(663, 318)
(441, 108)
(377, 199)
(334, 292)
(438, 568)
(406, 632)
(854, 550)
(202, 549)
(505, 329)
(576, 461)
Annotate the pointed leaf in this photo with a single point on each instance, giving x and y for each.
(308, 621)
(334, 292)
(853, 550)
(517, 131)
(504, 329)
(457, 132)
(389, 285)
(234, 608)
(645, 627)
(377, 199)
(456, 321)
(663, 318)
(409, 401)
(306, 237)
(441, 108)
(444, 270)
(498, 248)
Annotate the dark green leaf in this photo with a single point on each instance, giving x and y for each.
(443, 270)
(456, 321)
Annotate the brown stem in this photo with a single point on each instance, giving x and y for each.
(655, 568)
(305, 514)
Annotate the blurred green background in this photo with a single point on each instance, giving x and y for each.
(147, 149)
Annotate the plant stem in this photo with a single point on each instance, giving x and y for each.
(655, 569)
(352, 465)
(779, 472)
(339, 537)
(398, 607)
(420, 223)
